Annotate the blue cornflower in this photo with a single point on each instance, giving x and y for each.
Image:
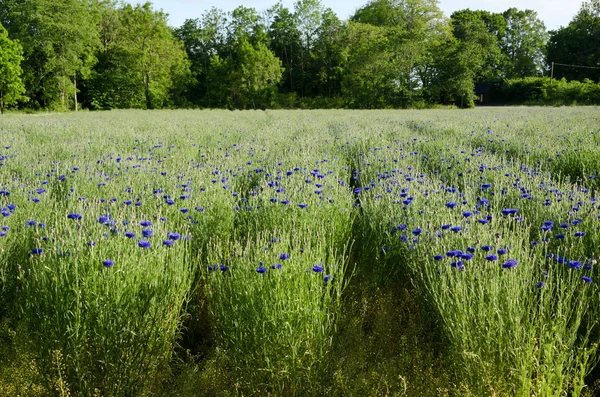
(261, 269)
(491, 257)
(147, 233)
(456, 229)
(146, 223)
(6, 228)
(302, 205)
(74, 216)
(317, 269)
(31, 223)
(501, 251)
(451, 204)
(467, 214)
(453, 253)
(458, 264)
(129, 234)
(144, 244)
(574, 265)
(487, 248)
(327, 278)
(276, 266)
(510, 264)
(37, 251)
(168, 243)
(108, 263)
(446, 227)
(417, 231)
(284, 256)
(579, 234)
(173, 236)
(586, 279)
(438, 257)
(540, 284)
(103, 219)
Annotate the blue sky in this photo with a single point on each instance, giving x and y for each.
(554, 13)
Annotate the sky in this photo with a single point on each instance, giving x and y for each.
(554, 13)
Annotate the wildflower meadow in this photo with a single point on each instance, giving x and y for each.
(300, 253)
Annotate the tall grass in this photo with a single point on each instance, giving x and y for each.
(299, 253)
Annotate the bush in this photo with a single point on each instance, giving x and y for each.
(540, 91)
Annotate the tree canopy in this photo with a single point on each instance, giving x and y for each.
(107, 54)
(578, 44)
(11, 85)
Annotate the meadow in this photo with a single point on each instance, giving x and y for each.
(300, 253)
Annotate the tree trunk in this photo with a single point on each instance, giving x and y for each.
(75, 92)
(147, 91)
(1, 103)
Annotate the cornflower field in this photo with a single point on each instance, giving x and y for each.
(300, 253)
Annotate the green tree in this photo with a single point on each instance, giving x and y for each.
(369, 70)
(142, 65)
(463, 60)
(308, 15)
(203, 38)
(414, 27)
(254, 74)
(483, 31)
(328, 55)
(523, 44)
(284, 39)
(11, 85)
(577, 44)
(59, 39)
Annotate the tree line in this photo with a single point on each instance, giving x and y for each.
(104, 54)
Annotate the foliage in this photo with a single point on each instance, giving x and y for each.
(369, 73)
(11, 85)
(577, 44)
(108, 54)
(539, 90)
(142, 65)
(523, 44)
(57, 50)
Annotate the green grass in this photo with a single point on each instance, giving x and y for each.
(352, 204)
